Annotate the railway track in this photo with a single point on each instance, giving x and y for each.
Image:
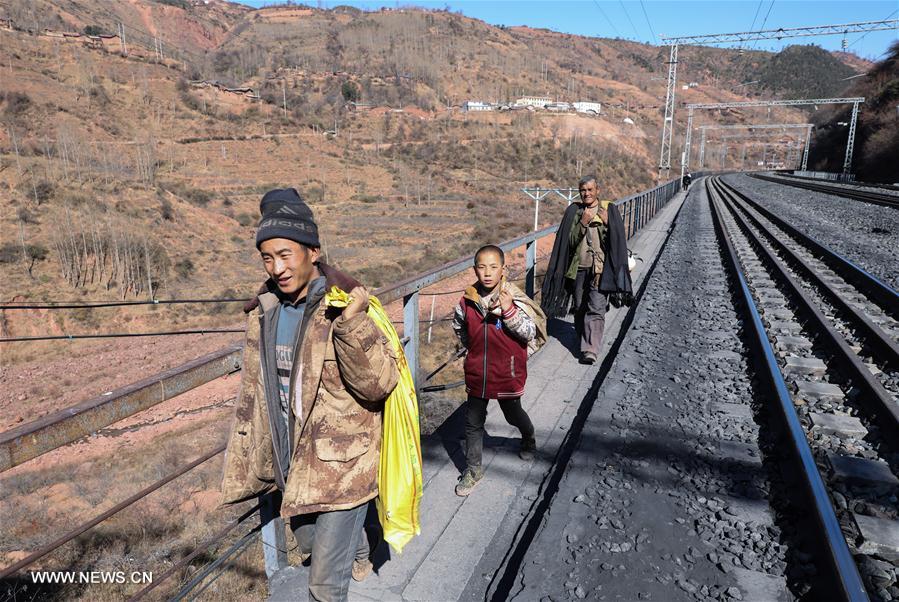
(868, 196)
(827, 332)
(793, 176)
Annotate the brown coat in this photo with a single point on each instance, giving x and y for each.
(348, 369)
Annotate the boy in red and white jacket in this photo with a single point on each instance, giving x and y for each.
(493, 324)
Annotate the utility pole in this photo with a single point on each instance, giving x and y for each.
(538, 194)
(702, 148)
(122, 43)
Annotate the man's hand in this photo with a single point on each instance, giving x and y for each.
(359, 303)
(589, 214)
(603, 214)
(505, 300)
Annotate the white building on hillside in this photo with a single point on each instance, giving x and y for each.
(477, 105)
(533, 101)
(587, 107)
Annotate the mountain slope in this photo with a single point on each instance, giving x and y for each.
(876, 151)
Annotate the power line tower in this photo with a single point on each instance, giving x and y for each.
(775, 103)
(762, 126)
(746, 36)
(538, 194)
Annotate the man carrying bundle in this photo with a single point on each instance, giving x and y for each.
(308, 415)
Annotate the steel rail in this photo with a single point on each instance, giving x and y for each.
(876, 290)
(30, 440)
(835, 551)
(868, 196)
(31, 558)
(874, 334)
(880, 404)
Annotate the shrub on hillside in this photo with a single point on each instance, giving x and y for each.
(176, 3)
(10, 253)
(98, 95)
(351, 91)
(95, 30)
(43, 191)
(194, 196)
(166, 210)
(184, 269)
(198, 197)
(16, 103)
(25, 216)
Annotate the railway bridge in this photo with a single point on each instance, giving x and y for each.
(736, 440)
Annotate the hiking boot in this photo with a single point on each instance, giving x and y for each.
(304, 556)
(362, 569)
(469, 479)
(588, 357)
(528, 449)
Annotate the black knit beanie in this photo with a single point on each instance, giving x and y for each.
(286, 215)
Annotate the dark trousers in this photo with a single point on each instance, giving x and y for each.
(476, 416)
(334, 539)
(590, 312)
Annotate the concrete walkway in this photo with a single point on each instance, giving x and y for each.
(465, 540)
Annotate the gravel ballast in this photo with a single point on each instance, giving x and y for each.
(666, 496)
(866, 234)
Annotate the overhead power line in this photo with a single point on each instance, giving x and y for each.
(626, 14)
(617, 33)
(889, 16)
(756, 16)
(654, 37)
(764, 22)
(781, 33)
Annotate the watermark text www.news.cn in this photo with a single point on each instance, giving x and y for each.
(93, 577)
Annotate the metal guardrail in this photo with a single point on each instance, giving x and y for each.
(30, 440)
(50, 432)
(825, 175)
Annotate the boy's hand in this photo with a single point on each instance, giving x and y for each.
(505, 300)
(359, 303)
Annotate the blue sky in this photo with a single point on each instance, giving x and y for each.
(627, 19)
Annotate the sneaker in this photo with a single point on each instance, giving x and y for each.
(304, 556)
(362, 569)
(528, 449)
(469, 479)
(588, 357)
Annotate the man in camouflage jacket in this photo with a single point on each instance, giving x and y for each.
(312, 431)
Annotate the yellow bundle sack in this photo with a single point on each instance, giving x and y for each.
(400, 482)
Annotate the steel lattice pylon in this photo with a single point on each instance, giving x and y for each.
(668, 124)
(775, 103)
(747, 36)
(758, 126)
